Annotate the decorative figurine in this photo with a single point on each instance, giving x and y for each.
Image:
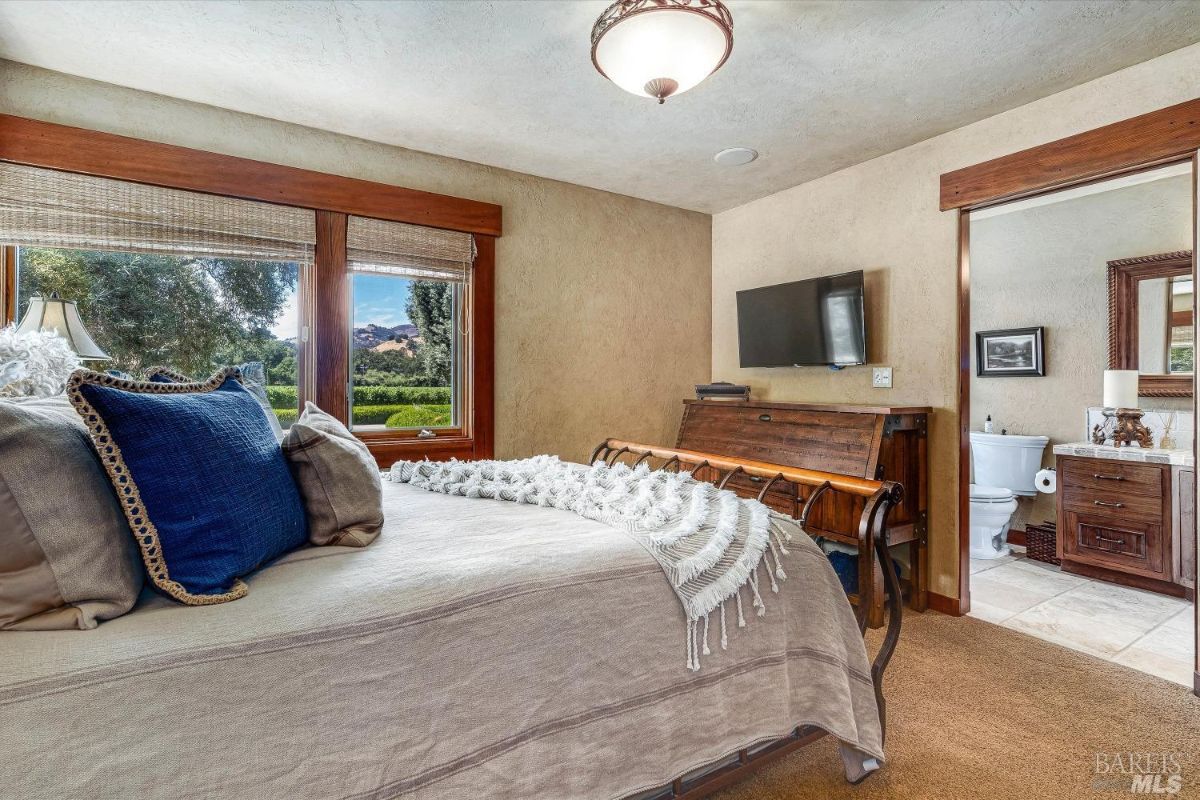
(1129, 429)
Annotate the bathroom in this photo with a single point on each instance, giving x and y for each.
(1081, 303)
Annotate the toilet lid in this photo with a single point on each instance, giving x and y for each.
(990, 494)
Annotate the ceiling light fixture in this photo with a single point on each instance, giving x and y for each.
(660, 48)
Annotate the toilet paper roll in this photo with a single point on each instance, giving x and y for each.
(1046, 481)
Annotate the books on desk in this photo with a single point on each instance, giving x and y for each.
(722, 391)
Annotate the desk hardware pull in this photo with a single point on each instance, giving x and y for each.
(1100, 538)
(764, 417)
(1108, 505)
(1100, 477)
(756, 479)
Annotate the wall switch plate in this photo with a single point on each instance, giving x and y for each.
(881, 377)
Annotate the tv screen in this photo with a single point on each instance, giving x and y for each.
(814, 322)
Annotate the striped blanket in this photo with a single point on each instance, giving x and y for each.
(709, 542)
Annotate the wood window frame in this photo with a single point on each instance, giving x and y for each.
(8, 284)
(1123, 278)
(1169, 135)
(324, 354)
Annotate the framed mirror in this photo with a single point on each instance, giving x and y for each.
(1151, 313)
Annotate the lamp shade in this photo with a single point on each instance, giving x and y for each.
(61, 316)
(660, 48)
(1120, 388)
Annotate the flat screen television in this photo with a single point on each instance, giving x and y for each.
(816, 322)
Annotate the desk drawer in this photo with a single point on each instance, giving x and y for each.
(1108, 475)
(780, 497)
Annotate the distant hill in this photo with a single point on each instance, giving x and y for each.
(372, 335)
(406, 346)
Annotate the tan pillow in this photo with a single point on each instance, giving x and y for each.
(338, 479)
(67, 556)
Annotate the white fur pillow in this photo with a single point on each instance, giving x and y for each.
(34, 364)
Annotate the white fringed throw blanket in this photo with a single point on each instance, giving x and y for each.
(708, 541)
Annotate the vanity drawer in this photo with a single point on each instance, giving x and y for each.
(1113, 505)
(1109, 475)
(1128, 546)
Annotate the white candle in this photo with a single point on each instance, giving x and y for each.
(1120, 388)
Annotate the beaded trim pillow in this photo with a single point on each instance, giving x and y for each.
(199, 475)
(253, 378)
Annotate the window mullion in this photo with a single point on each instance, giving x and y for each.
(329, 330)
(8, 284)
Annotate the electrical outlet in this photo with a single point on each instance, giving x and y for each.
(881, 377)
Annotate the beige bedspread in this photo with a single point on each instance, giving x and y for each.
(476, 649)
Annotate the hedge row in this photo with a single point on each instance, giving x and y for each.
(394, 416)
(287, 397)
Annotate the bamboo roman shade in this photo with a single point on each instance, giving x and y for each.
(410, 251)
(47, 208)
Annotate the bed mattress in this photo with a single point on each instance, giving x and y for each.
(477, 646)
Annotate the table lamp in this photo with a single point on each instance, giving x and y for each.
(61, 316)
(1120, 401)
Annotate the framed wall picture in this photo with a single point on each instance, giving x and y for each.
(1012, 353)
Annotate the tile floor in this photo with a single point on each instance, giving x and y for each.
(1149, 632)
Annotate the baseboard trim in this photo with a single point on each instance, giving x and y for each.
(1016, 537)
(945, 605)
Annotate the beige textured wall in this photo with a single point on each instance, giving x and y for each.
(1047, 266)
(882, 216)
(602, 301)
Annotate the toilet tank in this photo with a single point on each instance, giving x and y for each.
(1008, 461)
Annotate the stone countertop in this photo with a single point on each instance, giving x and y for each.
(1182, 458)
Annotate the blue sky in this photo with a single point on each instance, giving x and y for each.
(377, 298)
(380, 299)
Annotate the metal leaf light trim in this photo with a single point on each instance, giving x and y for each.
(622, 10)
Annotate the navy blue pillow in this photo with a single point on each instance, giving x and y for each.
(200, 476)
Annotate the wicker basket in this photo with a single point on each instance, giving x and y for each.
(1041, 542)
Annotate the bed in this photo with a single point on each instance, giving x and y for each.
(517, 651)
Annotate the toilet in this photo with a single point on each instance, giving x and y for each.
(1005, 466)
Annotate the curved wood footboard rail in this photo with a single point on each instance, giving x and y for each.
(880, 498)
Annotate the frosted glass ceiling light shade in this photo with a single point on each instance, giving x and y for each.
(61, 316)
(660, 48)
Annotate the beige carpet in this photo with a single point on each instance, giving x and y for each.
(979, 711)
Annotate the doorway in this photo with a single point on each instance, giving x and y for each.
(1072, 540)
(1167, 136)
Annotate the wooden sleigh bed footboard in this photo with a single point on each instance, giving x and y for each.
(874, 559)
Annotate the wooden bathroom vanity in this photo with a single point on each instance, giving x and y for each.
(1123, 516)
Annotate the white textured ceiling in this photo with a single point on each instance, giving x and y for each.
(813, 86)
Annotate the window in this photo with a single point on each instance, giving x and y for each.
(294, 261)
(404, 353)
(192, 313)
(164, 277)
(1180, 357)
(409, 290)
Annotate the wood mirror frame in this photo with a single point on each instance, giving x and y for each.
(1123, 278)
